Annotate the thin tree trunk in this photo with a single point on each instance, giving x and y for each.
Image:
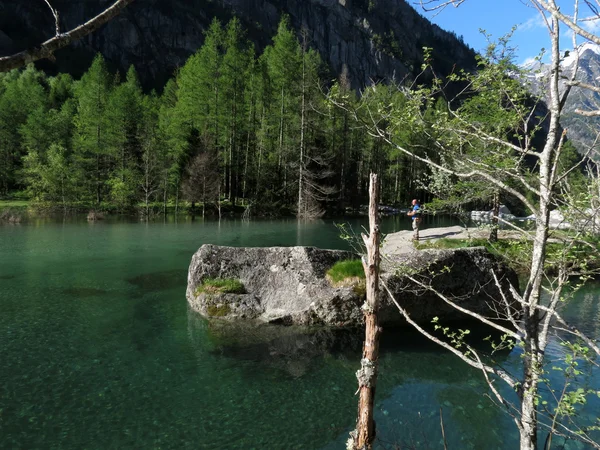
(177, 196)
(301, 206)
(260, 150)
(165, 196)
(219, 203)
(367, 375)
(495, 212)
(233, 154)
(98, 181)
(535, 339)
(203, 195)
(251, 127)
(281, 129)
(529, 391)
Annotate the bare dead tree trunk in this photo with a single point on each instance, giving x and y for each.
(367, 375)
(495, 213)
(60, 40)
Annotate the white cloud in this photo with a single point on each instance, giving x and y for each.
(532, 23)
(593, 25)
(529, 62)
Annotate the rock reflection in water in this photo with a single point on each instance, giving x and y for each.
(158, 281)
(292, 350)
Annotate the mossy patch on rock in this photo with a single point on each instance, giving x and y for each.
(220, 286)
(219, 310)
(346, 273)
(360, 289)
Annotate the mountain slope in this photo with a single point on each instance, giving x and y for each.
(581, 130)
(374, 39)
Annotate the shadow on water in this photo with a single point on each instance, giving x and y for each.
(7, 277)
(159, 281)
(294, 349)
(83, 292)
(414, 375)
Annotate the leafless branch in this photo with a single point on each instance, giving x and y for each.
(56, 17)
(507, 305)
(464, 310)
(551, 8)
(595, 113)
(437, 5)
(46, 50)
(472, 362)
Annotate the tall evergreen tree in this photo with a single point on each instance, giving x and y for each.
(172, 133)
(236, 67)
(125, 113)
(94, 139)
(284, 68)
(22, 93)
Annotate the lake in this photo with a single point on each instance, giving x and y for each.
(99, 350)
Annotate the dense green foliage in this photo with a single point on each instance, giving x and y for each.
(579, 256)
(231, 125)
(270, 132)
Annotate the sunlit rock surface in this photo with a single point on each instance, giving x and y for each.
(288, 285)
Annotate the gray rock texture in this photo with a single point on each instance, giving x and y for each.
(586, 58)
(462, 275)
(373, 39)
(283, 285)
(288, 285)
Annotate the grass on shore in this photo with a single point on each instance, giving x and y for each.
(517, 252)
(14, 204)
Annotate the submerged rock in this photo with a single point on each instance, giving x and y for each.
(288, 285)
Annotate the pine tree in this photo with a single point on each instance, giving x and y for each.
(235, 71)
(199, 106)
(172, 133)
(93, 141)
(284, 68)
(22, 93)
(125, 114)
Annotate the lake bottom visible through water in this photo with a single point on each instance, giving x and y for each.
(99, 350)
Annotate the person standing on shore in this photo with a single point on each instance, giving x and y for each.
(415, 214)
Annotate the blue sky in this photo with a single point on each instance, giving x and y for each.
(497, 17)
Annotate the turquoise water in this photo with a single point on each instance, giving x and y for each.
(99, 350)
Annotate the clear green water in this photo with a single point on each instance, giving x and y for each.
(98, 350)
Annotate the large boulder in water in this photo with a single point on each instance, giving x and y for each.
(289, 285)
(464, 276)
(281, 284)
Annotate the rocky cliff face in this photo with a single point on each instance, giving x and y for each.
(374, 39)
(581, 130)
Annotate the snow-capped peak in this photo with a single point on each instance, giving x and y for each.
(581, 49)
